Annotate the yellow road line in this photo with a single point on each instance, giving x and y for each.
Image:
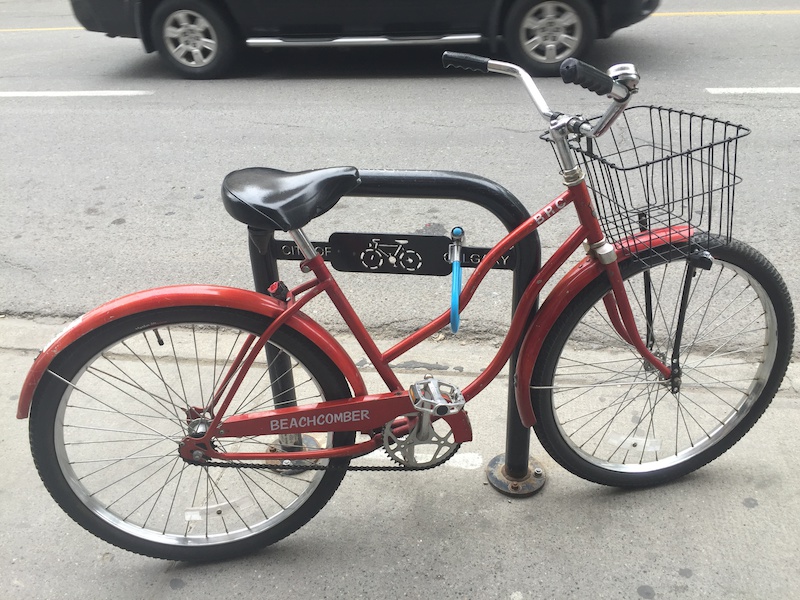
(725, 13)
(40, 29)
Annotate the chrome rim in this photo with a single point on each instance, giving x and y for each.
(550, 32)
(614, 410)
(190, 38)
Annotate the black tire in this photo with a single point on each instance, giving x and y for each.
(194, 38)
(108, 416)
(540, 34)
(605, 416)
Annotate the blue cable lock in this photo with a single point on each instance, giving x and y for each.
(454, 256)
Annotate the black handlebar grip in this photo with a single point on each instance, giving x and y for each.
(594, 80)
(470, 62)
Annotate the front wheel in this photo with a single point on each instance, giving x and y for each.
(607, 416)
(194, 38)
(541, 34)
(108, 417)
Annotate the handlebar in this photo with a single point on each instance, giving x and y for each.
(619, 85)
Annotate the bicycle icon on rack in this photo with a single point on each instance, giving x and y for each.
(396, 254)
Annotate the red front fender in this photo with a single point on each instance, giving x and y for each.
(568, 288)
(187, 295)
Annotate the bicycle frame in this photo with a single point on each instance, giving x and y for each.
(364, 412)
(369, 413)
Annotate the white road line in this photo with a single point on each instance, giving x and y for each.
(75, 94)
(763, 90)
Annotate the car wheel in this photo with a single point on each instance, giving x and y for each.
(541, 34)
(194, 38)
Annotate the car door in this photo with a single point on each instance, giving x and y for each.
(335, 18)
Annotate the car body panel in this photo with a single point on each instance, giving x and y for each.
(328, 19)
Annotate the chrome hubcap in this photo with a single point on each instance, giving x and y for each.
(551, 32)
(190, 38)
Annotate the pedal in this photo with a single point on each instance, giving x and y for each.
(436, 397)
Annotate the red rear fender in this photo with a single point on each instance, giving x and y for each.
(186, 295)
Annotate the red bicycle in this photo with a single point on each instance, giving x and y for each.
(200, 422)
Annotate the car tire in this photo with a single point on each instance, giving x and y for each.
(541, 34)
(194, 38)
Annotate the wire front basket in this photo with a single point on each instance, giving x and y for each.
(662, 168)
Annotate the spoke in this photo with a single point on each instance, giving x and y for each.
(159, 401)
(738, 333)
(127, 416)
(620, 403)
(197, 56)
(148, 367)
(533, 44)
(636, 427)
(157, 435)
(161, 377)
(705, 308)
(247, 398)
(616, 369)
(588, 386)
(757, 330)
(174, 498)
(113, 461)
(568, 19)
(179, 51)
(701, 408)
(722, 384)
(197, 361)
(717, 354)
(158, 492)
(201, 23)
(531, 23)
(178, 366)
(568, 41)
(131, 474)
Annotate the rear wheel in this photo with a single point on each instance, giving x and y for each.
(541, 34)
(109, 415)
(607, 416)
(194, 38)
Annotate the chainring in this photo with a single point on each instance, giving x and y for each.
(419, 451)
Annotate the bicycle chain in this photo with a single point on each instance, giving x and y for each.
(328, 467)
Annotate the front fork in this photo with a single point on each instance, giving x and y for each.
(619, 310)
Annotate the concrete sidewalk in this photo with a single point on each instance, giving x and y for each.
(730, 530)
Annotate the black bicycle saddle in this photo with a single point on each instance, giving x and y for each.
(271, 199)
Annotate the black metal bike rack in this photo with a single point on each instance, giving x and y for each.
(513, 473)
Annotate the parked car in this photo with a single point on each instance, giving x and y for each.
(201, 39)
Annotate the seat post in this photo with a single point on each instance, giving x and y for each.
(303, 243)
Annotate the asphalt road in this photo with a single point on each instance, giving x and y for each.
(101, 196)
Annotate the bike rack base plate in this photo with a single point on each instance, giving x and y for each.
(515, 487)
